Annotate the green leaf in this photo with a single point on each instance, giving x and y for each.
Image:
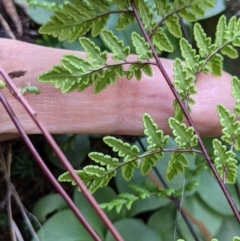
(93, 177)
(215, 64)
(133, 229)
(163, 7)
(69, 225)
(76, 19)
(122, 199)
(104, 5)
(99, 24)
(231, 128)
(173, 26)
(146, 68)
(119, 51)
(122, 4)
(94, 55)
(110, 162)
(106, 78)
(156, 138)
(176, 165)
(221, 31)
(183, 79)
(125, 19)
(148, 162)
(47, 205)
(161, 41)
(236, 94)
(141, 46)
(225, 162)
(229, 51)
(203, 42)
(189, 54)
(123, 149)
(145, 13)
(185, 136)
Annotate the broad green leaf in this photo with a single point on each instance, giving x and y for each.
(161, 41)
(156, 138)
(203, 42)
(173, 26)
(141, 46)
(176, 165)
(133, 229)
(119, 51)
(185, 137)
(231, 128)
(63, 226)
(47, 205)
(225, 162)
(93, 52)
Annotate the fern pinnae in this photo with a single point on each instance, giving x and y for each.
(119, 51)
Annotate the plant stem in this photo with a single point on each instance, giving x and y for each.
(172, 198)
(45, 169)
(186, 114)
(59, 154)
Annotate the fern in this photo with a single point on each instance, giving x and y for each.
(225, 162)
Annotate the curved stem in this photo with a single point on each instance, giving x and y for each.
(59, 154)
(186, 114)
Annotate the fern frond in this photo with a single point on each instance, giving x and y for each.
(79, 17)
(161, 41)
(185, 136)
(146, 14)
(104, 160)
(122, 4)
(122, 199)
(124, 20)
(203, 42)
(231, 128)
(148, 162)
(236, 94)
(123, 149)
(176, 165)
(94, 55)
(225, 162)
(173, 26)
(93, 177)
(156, 138)
(189, 55)
(119, 51)
(141, 46)
(136, 70)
